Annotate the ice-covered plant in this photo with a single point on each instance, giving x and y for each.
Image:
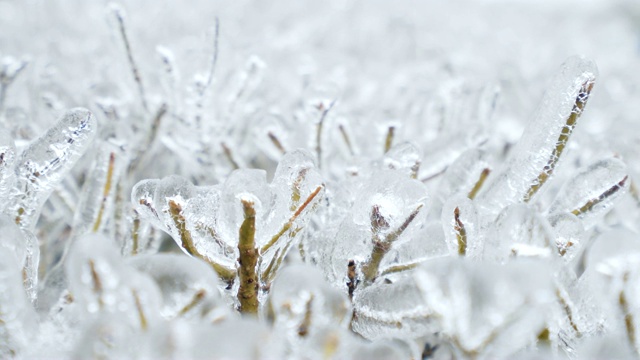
(346, 180)
(243, 228)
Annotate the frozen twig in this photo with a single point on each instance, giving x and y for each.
(247, 261)
(122, 27)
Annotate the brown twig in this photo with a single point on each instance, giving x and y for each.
(248, 259)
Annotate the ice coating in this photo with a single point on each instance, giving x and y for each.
(7, 163)
(486, 308)
(386, 213)
(520, 231)
(95, 206)
(391, 308)
(405, 157)
(18, 320)
(302, 304)
(534, 158)
(461, 227)
(242, 222)
(569, 234)
(189, 286)
(101, 284)
(593, 190)
(43, 164)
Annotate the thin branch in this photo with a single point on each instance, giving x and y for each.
(325, 111)
(478, 185)
(276, 142)
(96, 282)
(628, 316)
(381, 247)
(461, 233)
(175, 210)
(132, 64)
(388, 142)
(141, 316)
(346, 139)
(399, 268)
(602, 197)
(353, 281)
(229, 155)
(105, 191)
(197, 298)
(303, 329)
(291, 220)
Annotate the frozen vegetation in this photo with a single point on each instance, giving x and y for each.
(319, 179)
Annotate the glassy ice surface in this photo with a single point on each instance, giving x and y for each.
(542, 142)
(337, 180)
(486, 308)
(41, 166)
(189, 287)
(593, 190)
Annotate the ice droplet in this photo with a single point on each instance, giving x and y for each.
(592, 191)
(44, 163)
(534, 158)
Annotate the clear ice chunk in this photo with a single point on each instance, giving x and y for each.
(592, 191)
(101, 283)
(520, 231)
(391, 308)
(302, 305)
(534, 158)
(189, 287)
(97, 199)
(486, 309)
(405, 157)
(43, 164)
(18, 321)
(461, 227)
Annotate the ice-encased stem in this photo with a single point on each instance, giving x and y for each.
(536, 155)
(287, 226)
(247, 260)
(602, 197)
(461, 233)
(122, 28)
(186, 242)
(382, 246)
(44, 163)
